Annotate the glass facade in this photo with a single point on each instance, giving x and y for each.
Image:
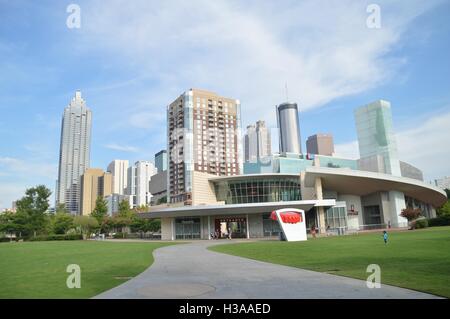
(258, 190)
(270, 227)
(187, 228)
(336, 217)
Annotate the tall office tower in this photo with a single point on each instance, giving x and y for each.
(257, 142)
(264, 140)
(74, 153)
(376, 138)
(94, 183)
(139, 177)
(161, 161)
(251, 145)
(378, 150)
(119, 171)
(289, 127)
(320, 144)
(204, 131)
(443, 183)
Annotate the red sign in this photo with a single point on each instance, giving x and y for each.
(288, 217)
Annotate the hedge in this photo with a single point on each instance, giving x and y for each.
(421, 223)
(57, 237)
(439, 221)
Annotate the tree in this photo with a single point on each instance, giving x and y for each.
(86, 225)
(61, 208)
(32, 208)
(411, 214)
(142, 209)
(101, 210)
(445, 209)
(15, 223)
(62, 222)
(162, 200)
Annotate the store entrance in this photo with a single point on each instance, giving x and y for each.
(237, 226)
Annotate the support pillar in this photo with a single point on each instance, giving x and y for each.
(248, 227)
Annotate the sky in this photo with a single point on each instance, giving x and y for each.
(130, 59)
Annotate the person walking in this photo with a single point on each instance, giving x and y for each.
(385, 237)
(313, 231)
(229, 232)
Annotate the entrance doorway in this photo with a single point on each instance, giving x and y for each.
(236, 225)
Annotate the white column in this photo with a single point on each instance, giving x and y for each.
(209, 227)
(173, 229)
(248, 227)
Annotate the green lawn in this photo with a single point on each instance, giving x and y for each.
(38, 269)
(418, 259)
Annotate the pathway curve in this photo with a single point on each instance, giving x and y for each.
(193, 271)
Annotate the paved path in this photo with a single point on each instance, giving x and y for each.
(192, 271)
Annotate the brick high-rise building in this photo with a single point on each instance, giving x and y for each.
(204, 132)
(320, 144)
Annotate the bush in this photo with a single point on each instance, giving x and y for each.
(120, 235)
(421, 223)
(7, 240)
(57, 237)
(443, 220)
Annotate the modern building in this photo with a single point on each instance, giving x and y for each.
(289, 126)
(161, 161)
(443, 183)
(376, 140)
(320, 144)
(158, 188)
(119, 172)
(336, 193)
(113, 201)
(94, 183)
(203, 131)
(257, 142)
(139, 177)
(74, 154)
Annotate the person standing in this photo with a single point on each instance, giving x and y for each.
(313, 231)
(385, 237)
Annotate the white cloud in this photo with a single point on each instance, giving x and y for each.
(426, 145)
(16, 175)
(248, 50)
(122, 148)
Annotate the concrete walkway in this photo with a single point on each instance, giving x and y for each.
(192, 271)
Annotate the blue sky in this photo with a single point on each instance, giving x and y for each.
(131, 59)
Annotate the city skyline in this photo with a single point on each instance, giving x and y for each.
(129, 100)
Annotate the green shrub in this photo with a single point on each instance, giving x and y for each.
(120, 235)
(7, 240)
(57, 237)
(443, 220)
(421, 223)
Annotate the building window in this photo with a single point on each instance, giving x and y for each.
(336, 217)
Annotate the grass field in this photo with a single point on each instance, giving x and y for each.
(38, 269)
(418, 259)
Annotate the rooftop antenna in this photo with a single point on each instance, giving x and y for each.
(287, 95)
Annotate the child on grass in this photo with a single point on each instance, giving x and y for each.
(385, 237)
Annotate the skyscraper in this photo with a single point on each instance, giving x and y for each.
(161, 161)
(378, 150)
(74, 154)
(257, 142)
(203, 136)
(94, 183)
(139, 177)
(320, 144)
(289, 126)
(376, 138)
(119, 171)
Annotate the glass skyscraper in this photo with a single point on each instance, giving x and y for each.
(74, 155)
